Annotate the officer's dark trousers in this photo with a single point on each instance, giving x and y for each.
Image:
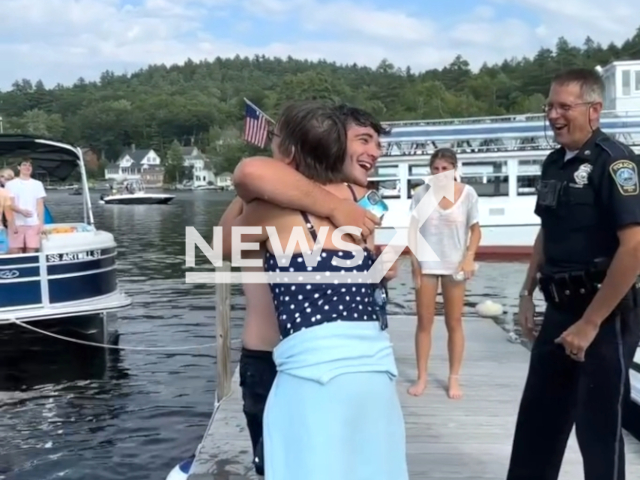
(561, 392)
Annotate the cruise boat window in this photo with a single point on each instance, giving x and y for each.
(386, 188)
(528, 176)
(387, 171)
(419, 170)
(489, 179)
(626, 83)
(413, 184)
(637, 81)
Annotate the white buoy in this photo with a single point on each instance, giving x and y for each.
(489, 309)
(181, 471)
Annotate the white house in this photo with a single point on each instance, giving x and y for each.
(202, 172)
(225, 180)
(137, 164)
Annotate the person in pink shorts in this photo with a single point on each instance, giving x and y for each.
(27, 196)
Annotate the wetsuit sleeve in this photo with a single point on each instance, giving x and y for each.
(620, 191)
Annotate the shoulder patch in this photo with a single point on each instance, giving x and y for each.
(625, 175)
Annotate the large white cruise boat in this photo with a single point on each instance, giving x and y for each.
(500, 157)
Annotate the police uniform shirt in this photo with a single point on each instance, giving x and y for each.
(584, 200)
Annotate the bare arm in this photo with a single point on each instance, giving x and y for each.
(621, 275)
(5, 207)
(273, 181)
(475, 235)
(233, 211)
(536, 261)
(264, 178)
(40, 210)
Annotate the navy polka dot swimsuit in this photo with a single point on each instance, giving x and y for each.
(300, 306)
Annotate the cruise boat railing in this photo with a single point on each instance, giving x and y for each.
(526, 117)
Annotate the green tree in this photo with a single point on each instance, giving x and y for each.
(174, 164)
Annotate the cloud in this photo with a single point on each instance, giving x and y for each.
(61, 40)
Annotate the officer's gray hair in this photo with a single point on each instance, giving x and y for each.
(590, 82)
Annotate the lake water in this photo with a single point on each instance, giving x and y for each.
(74, 413)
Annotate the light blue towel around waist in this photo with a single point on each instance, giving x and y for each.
(321, 353)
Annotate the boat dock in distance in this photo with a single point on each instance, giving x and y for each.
(446, 439)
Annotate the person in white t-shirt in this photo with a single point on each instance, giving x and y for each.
(27, 195)
(452, 231)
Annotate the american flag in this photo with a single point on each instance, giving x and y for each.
(256, 126)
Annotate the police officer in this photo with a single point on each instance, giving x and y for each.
(586, 262)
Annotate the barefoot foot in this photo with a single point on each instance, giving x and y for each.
(454, 391)
(418, 388)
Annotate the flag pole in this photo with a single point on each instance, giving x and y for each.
(265, 115)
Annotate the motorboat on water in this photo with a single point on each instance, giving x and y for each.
(74, 273)
(132, 192)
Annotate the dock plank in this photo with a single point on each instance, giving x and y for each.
(446, 439)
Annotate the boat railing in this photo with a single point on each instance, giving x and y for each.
(411, 147)
(526, 117)
(86, 198)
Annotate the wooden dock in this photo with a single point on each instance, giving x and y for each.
(446, 439)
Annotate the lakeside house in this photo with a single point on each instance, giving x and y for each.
(136, 164)
(146, 165)
(202, 172)
(224, 181)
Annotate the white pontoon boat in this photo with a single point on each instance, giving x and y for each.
(74, 274)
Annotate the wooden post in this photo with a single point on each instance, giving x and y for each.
(223, 334)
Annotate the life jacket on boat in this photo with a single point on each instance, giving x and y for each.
(48, 218)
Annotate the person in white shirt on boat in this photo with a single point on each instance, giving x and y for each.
(6, 214)
(27, 196)
(453, 232)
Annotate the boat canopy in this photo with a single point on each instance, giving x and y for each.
(57, 159)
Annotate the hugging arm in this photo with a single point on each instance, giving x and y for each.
(263, 178)
(233, 211)
(274, 181)
(257, 214)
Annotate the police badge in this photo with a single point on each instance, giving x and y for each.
(582, 174)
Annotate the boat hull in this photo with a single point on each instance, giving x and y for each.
(138, 200)
(75, 274)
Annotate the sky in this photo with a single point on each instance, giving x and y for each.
(61, 40)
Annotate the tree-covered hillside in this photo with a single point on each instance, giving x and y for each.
(202, 102)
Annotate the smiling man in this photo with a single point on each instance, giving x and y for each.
(273, 180)
(587, 254)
